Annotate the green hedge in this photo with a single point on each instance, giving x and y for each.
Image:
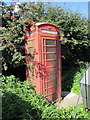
(20, 102)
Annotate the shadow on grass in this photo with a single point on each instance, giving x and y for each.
(14, 108)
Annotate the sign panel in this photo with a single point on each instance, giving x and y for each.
(48, 31)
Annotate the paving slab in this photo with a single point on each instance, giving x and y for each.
(69, 99)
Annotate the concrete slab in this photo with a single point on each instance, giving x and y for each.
(69, 99)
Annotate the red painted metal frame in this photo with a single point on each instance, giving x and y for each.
(48, 87)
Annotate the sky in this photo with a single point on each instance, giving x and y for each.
(80, 6)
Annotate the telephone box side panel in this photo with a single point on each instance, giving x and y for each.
(38, 61)
(29, 51)
(59, 69)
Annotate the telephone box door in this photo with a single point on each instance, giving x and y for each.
(50, 61)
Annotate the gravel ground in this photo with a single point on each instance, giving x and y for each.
(68, 99)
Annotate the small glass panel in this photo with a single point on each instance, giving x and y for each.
(32, 32)
(50, 49)
(51, 70)
(83, 90)
(88, 91)
(31, 69)
(85, 102)
(31, 76)
(32, 64)
(30, 50)
(52, 83)
(50, 42)
(50, 63)
(51, 56)
(52, 77)
(52, 74)
(30, 43)
(30, 57)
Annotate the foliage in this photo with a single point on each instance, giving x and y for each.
(74, 34)
(13, 36)
(20, 102)
(65, 113)
(73, 25)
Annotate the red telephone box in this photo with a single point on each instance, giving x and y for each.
(43, 58)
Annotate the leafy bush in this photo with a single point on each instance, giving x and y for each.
(73, 26)
(15, 100)
(65, 113)
(20, 102)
